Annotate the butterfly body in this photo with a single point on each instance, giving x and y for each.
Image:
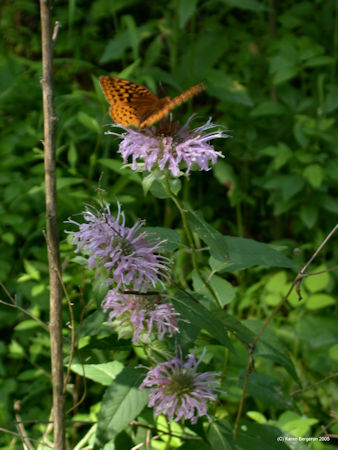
(133, 104)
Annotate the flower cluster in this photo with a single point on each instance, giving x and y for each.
(132, 259)
(143, 311)
(133, 262)
(178, 391)
(168, 148)
(136, 268)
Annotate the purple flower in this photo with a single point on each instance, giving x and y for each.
(130, 257)
(145, 312)
(178, 390)
(167, 149)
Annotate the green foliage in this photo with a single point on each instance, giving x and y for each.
(270, 78)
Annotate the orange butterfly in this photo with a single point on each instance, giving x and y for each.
(133, 104)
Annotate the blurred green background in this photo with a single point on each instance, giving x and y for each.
(270, 69)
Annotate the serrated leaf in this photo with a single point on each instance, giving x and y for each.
(200, 317)
(220, 436)
(271, 348)
(213, 238)
(235, 253)
(222, 288)
(267, 390)
(92, 325)
(255, 436)
(244, 253)
(122, 402)
(103, 373)
(236, 327)
(171, 236)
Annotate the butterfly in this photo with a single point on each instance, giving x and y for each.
(133, 104)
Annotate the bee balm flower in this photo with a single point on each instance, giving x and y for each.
(146, 313)
(171, 148)
(131, 257)
(178, 390)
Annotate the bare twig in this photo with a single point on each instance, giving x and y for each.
(298, 391)
(55, 33)
(55, 298)
(313, 257)
(21, 429)
(3, 430)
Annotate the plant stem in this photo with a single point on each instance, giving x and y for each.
(55, 296)
(189, 235)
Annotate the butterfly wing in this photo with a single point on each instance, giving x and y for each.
(130, 103)
(167, 104)
(133, 104)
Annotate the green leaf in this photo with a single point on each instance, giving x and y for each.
(200, 317)
(100, 287)
(288, 185)
(157, 186)
(134, 36)
(268, 390)
(224, 87)
(282, 156)
(257, 417)
(249, 5)
(223, 289)
(300, 130)
(121, 42)
(191, 445)
(122, 402)
(72, 155)
(285, 73)
(88, 121)
(309, 214)
(171, 236)
(244, 253)
(117, 166)
(220, 435)
(92, 325)
(236, 327)
(27, 325)
(295, 424)
(103, 373)
(158, 190)
(185, 10)
(270, 347)
(213, 238)
(319, 301)
(316, 283)
(277, 283)
(308, 327)
(319, 61)
(32, 272)
(268, 108)
(314, 174)
(255, 436)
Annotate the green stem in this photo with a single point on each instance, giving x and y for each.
(189, 235)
